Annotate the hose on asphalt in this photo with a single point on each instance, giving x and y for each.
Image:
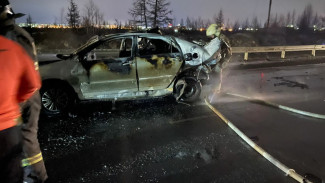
(284, 168)
(263, 102)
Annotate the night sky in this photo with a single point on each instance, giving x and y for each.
(46, 11)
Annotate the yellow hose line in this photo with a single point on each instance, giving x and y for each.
(297, 111)
(285, 169)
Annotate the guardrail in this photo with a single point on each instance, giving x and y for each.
(282, 49)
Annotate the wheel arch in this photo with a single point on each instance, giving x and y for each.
(61, 82)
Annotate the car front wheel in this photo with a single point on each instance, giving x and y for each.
(56, 99)
(191, 92)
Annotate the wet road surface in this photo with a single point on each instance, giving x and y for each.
(150, 141)
(295, 140)
(162, 141)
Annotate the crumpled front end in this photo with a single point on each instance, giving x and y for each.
(199, 54)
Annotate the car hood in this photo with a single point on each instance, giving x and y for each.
(48, 58)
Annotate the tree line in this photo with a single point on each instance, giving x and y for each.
(143, 12)
(306, 20)
(152, 13)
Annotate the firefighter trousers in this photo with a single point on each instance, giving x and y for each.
(33, 161)
(11, 155)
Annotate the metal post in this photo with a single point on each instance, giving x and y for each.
(246, 56)
(268, 17)
(283, 54)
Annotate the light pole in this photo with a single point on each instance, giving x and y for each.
(268, 17)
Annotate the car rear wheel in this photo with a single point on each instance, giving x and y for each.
(55, 98)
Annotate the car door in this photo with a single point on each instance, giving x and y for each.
(158, 61)
(111, 69)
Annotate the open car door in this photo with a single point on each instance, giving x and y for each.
(111, 69)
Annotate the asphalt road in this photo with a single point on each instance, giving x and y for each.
(162, 141)
(296, 140)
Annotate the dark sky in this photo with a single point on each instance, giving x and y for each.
(46, 11)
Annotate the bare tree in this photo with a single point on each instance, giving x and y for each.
(159, 12)
(236, 25)
(288, 19)
(73, 17)
(323, 21)
(188, 22)
(207, 23)
(174, 21)
(93, 17)
(293, 17)
(89, 15)
(306, 17)
(118, 24)
(316, 20)
(281, 21)
(55, 21)
(194, 24)
(200, 22)
(29, 20)
(182, 22)
(246, 24)
(275, 22)
(62, 16)
(139, 12)
(228, 25)
(255, 23)
(220, 18)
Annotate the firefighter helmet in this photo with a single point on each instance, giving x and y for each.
(6, 11)
(213, 29)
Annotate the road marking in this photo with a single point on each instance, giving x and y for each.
(191, 119)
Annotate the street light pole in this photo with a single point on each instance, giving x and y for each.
(268, 17)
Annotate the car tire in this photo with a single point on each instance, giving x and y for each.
(191, 92)
(56, 98)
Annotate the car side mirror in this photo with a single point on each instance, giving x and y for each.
(188, 56)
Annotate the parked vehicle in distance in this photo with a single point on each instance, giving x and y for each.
(124, 67)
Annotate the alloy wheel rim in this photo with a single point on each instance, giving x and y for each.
(54, 100)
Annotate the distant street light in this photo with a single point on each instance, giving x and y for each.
(268, 17)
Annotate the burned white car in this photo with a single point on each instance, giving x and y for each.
(124, 67)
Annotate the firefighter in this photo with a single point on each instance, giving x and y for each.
(18, 80)
(224, 54)
(33, 163)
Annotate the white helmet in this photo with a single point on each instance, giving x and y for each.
(213, 29)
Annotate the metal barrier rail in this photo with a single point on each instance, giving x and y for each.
(282, 49)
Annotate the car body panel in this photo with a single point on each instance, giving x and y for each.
(95, 72)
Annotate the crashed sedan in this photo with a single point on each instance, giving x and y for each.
(125, 67)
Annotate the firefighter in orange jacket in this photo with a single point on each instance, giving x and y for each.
(33, 161)
(19, 81)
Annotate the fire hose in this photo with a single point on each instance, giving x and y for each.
(305, 113)
(284, 168)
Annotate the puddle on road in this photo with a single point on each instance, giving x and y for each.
(291, 84)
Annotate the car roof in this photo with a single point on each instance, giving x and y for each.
(97, 38)
(132, 34)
